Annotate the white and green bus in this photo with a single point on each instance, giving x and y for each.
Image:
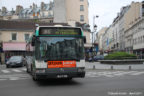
(58, 52)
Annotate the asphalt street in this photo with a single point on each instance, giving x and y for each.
(16, 82)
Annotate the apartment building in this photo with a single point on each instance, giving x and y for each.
(122, 27)
(138, 38)
(73, 12)
(45, 11)
(105, 41)
(115, 33)
(132, 16)
(14, 34)
(100, 39)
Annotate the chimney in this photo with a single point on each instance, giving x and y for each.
(18, 9)
(42, 6)
(30, 7)
(34, 6)
(4, 10)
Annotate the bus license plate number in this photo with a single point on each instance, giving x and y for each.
(62, 76)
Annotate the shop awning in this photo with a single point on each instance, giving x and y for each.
(14, 46)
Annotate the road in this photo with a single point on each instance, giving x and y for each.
(16, 82)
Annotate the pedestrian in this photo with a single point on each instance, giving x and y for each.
(0, 60)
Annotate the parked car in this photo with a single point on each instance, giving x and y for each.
(28, 63)
(90, 59)
(15, 61)
(98, 57)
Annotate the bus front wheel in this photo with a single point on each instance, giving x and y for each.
(35, 77)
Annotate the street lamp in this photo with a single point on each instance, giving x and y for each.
(94, 30)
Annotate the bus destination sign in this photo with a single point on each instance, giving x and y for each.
(60, 31)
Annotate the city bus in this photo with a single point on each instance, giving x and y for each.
(58, 52)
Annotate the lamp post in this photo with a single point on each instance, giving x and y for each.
(94, 30)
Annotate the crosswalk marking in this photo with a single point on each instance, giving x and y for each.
(20, 74)
(16, 70)
(14, 77)
(13, 70)
(113, 74)
(24, 69)
(138, 73)
(5, 71)
(2, 79)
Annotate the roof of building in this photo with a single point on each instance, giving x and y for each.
(24, 25)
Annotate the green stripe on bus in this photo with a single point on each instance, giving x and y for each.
(37, 32)
(82, 33)
(61, 35)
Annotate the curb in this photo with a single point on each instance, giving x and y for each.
(113, 68)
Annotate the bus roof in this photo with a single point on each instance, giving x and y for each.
(58, 26)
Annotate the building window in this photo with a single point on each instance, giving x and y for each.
(81, 17)
(51, 21)
(143, 38)
(26, 37)
(81, 7)
(14, 36)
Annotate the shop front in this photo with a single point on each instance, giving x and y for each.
(14, 49)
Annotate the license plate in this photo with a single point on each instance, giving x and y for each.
(62, 76)
(61, 64)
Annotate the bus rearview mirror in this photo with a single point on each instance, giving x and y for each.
(84, 38)
(33, 41)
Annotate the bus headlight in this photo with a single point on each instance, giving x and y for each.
(40, 71)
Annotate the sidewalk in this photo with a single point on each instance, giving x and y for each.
(98, 65)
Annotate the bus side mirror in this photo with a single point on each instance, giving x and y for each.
(33, 41)
(84, 38)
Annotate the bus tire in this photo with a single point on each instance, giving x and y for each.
(7, 66)
(27, 70)
(34, 77)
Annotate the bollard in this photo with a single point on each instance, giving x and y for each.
(111, 67)
(93, 67)
(130, 67)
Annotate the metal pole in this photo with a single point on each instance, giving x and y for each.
(94, 29)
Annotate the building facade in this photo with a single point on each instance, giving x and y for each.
(71, 11)
(138, 38)
(33, 12)
(14, 34)
(122, 29)
(75, 13)
(100, 34)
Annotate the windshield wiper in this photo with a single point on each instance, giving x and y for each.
(45, 60)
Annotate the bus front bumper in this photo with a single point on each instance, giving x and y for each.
(60, 73)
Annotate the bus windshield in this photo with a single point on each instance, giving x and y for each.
(59, 48)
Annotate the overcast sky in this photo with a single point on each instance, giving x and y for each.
(106, 9)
